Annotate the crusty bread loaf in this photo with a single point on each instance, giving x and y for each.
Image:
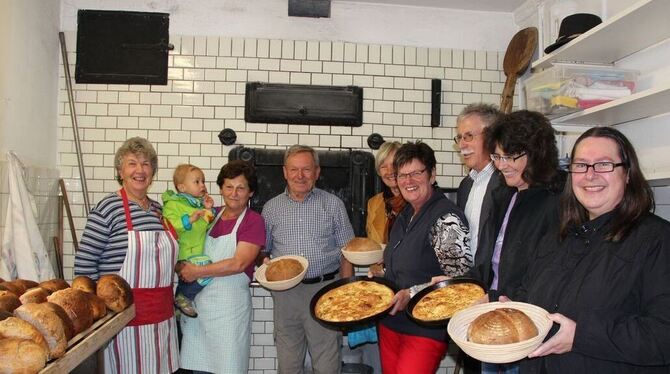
(5, 292)
(47, 322)
(67, 322)
(54, 285)
(15, 288)
(21, 356)
(26, 283)
(283, 269)
(501, 326)
(84, 283)
(76, 305)
(34, 295)
(115, 291)
(13, 327)
(98, 307)
(9, 302)
(359, 244)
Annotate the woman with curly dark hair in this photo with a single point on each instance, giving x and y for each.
(523, 148)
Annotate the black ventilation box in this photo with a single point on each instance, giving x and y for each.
(120, 47)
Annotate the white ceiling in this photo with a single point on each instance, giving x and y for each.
(481, 5)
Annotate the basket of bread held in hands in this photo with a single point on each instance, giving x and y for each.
(363, 251)
(499, 332)
(39, 320)
(282, 273)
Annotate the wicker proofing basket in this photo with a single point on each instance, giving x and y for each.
(501, 353)
(285, 284)
(364, 258)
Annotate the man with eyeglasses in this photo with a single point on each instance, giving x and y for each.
(482, 191)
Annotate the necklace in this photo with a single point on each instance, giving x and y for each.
(143, 202)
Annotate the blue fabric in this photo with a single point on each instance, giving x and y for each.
(201, 260)
(189, 289)
(362, 336)
(186, 222)
(488, 368)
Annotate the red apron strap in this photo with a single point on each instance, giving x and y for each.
(152, 305)
(126, 209)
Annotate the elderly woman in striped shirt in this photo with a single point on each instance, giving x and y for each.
(125, 235)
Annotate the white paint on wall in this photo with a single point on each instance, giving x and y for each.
(29, 79)
(349, 21)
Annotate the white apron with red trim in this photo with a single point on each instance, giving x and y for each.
(218, 340)
(147, 345)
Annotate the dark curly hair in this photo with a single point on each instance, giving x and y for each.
(234, 169)
(529, 132)
(638, 198)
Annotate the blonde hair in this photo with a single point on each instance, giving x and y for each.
(181, 172)
(384, 151)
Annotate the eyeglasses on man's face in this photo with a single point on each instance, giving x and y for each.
(506, 158)
(414, 174)
(598, 167)
(468, 136)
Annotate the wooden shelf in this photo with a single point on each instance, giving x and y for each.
(638, 27)
(639, 105)
(88, 342)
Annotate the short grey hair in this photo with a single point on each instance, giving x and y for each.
(489, 113)
(295, 149)
(384, 151)
(136, 146)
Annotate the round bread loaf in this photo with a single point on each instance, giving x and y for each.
(54, 285)
(13, 327)
(98, 307)
(47, 322)
(15, 288)
(359, 244)
(115, 292)
(34, 295)
(283, 269)
(26, 283)
(67, 322)
(84, 283)
(5, 292)
(21, 356)
(9, 302)
(501, 326)
(76, 305)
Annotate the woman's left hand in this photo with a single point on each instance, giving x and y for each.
(188, 272)
(399, 301)
(562, 341)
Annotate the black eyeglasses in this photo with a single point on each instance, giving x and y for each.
(504, 158)
(415, 174)
(468, 136)
(598, 167)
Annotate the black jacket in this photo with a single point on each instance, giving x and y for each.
(496, 200)
(617, 293)
(534, 213)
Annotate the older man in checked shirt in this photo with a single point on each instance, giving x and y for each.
(312, 223)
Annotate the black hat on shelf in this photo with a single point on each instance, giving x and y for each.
(573, 26)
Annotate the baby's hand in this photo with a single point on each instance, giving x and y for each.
(196, 215)
(207, 201)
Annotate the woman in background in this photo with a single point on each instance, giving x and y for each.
(604, 272)
(385, 206)
(125, 235)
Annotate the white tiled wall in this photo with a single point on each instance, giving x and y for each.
(205, 94)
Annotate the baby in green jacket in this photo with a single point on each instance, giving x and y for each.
(190, 211)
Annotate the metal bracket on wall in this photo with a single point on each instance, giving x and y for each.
(227, 137)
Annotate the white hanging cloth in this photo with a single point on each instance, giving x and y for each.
(23, 252)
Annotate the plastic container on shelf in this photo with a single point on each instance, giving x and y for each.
(567, 88)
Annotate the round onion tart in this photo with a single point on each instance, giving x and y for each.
(353, 301)
(444, 302)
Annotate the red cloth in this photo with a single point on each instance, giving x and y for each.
(409, 354)
(152, 305)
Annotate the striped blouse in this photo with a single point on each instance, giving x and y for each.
(103, 245)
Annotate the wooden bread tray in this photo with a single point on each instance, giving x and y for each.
(87, 342)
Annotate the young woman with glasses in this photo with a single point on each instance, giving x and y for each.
(604, 272)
